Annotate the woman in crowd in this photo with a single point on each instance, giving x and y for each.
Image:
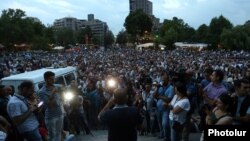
(221, 114)
(179, 106)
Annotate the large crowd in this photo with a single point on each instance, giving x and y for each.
(173, 90)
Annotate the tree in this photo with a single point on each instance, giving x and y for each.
(122, 38)
(170, 38)
(175, 30)
(49, 34)
(64, 36)
(137, 22)
(202, 33)
(82, 34)
(10, 26)
(16, 28)
(109, 38)
(237, 38)
(216, 26)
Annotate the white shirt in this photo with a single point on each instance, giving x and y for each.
(184, 104)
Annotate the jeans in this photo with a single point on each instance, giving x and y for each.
(33, 135)
(55, 127)
(163, 120)
(175, 134)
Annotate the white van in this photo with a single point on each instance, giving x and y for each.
(62, 76)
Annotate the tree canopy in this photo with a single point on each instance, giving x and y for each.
(137, 22)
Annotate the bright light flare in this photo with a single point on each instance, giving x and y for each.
(68, 96)
(111, 83)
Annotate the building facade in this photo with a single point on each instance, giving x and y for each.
(145, 5)
(97, 27)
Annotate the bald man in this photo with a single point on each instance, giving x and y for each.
(122, 121)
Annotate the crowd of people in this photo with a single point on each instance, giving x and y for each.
(166, 88)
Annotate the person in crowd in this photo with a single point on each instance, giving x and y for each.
(179, 107)
(215, 88)
(51, 95)
(94, 100)
(33, 99)
(9, 90)
(222, 113)
(77, 115)
(122, 121)
(164, 96)
(241, 97)
(204, 82)
(192, 93)
(210, 94)
(4, 98)
(207, 77)
(22, 113)
(149, 104)
(5, 126)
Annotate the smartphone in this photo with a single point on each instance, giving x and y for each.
(40, 104)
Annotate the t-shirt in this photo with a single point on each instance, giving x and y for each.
(122, 123)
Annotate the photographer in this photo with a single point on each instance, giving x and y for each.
(22, 113)
(77, 114)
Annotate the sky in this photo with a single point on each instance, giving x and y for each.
(114, 12)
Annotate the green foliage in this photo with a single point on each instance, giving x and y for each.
(40, 43)
(122, 38)
(237, 38)
(80, 35)
(11, 22)
(175, 30)
(202, 34)
(109, 38)
(64, 36)
(217, 25)
(16, 28)
(136, 23)
(49, 34)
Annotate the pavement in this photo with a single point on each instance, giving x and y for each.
(102, 135)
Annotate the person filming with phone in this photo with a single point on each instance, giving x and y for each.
(51, 95)
(22, 113)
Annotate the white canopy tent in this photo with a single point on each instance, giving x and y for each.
(58, 48)
(199, 46)
(147, 45)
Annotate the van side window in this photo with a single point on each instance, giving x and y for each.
(59, 80)
(69, 78)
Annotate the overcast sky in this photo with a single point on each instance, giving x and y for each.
(114, 12)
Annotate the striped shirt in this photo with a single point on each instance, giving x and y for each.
(57, 109)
